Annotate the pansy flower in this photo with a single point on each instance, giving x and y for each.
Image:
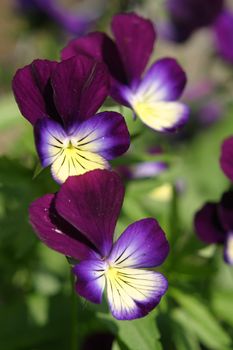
(146, 169)
(79, 221)
(60, 100)
(151, 94)
(186, 16)
(41, 12)
(223, 33)
(214, 224)
(226, 158)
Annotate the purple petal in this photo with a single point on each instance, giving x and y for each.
(133, 293)
(33, 92)
(49, 139)
(223, 29)
(142, 244)
(98, 46)
(135, 37)
(225, 211)
(208, 225)
(55, 232)
(226, 160)
(105, 133)
(147, 169)
(165, 80)
(90, 279)
(228, 249)
(92, 202)
(80, 87)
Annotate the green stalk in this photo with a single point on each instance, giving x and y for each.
(74, 319)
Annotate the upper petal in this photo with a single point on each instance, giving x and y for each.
(90, 280)
(57, 233)
(208, 225)
(80, 87)
(33, 92)
(99, 46)
(142, 244)
(135, 37)
(164, 81)
(92, 202)
(226, 160)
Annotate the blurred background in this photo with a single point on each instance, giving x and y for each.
(36, 309)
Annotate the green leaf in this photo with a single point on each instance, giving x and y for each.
(184, 337)
(222, 303)
(141, 334)
(201, 320)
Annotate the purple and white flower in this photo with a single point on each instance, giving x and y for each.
(214, 224)
(152, 95)
(79, 221)
(60, 100)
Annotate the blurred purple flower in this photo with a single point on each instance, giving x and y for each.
(186, 16)
(79, 221)
(145, 169)
(51, 11)
(226, 158)
(60, 100)
(152, 96)
(223, 32)
(214, 224)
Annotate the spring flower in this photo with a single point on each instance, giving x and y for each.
(79, 221)
(214, 224)
(60, 100)
(144, 169)
(151, 95)
(186, 16)
(43, 11)
(226, 159)
(223, 33)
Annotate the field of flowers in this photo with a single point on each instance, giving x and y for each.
(116, 172)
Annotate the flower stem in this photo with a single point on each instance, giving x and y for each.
(74, 319)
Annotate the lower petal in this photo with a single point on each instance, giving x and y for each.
(162, 116)
(133, 293)
(72, 162)
(90, 279)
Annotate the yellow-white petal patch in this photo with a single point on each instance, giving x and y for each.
(160, 116)
(126, 288)
(72, 158)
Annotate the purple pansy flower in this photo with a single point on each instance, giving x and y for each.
(152, 96)
(223, 31)
(186, 16)
(145, 169)
(214, 224)
(51, 10)
(60, 100)
(79, 221)
(226, 159)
